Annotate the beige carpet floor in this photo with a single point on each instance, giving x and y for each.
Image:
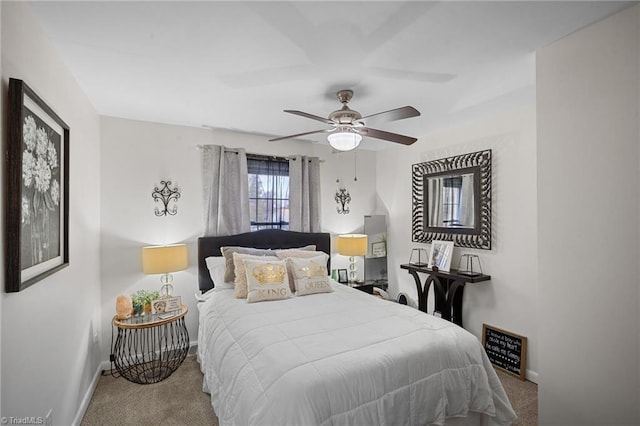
(179, 400)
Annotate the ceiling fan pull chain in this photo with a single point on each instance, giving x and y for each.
(355, 165)
(337, 168)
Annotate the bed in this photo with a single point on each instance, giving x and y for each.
(343, 357)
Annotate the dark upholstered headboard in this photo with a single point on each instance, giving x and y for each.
(267, 238)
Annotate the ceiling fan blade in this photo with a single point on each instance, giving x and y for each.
(394, 114)
(388, 136)
(301, 134)
(311, 116)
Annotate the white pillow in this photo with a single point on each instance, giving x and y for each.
(216, 266)
(310, 275)
(266, 280)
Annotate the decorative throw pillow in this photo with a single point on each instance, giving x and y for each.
(310, 247)
(309, 275)
(227, 252)
(305, 254)
(240, 290)
(267, 280)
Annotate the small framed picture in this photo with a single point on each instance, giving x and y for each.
(166, 304)
(440, 256)
(379, 249)
(342, 276)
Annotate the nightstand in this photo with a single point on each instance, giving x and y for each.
(367, 286)
(149, 348)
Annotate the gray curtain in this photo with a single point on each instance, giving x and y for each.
(466, 202)
(435, 202)
(304, 194)
(226, 190)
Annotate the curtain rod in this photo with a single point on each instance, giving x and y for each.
(289, 157)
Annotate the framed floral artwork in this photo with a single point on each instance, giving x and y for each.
(37, 210)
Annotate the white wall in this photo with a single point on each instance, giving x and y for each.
(136, 155)
(49, 358)
(509, 300)
(588, 170)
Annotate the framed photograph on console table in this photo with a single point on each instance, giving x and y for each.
(37, 210)
(440, 256)
(342, 276)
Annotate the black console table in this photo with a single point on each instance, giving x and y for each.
(448, 289)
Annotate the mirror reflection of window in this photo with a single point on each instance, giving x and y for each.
(451, 189)
(451, 201)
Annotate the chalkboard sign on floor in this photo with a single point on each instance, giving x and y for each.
(506, 351)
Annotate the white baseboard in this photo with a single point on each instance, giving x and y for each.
(532, 376)
(88, 395)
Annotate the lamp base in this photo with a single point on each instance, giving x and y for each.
(167, 289)
(353, 270)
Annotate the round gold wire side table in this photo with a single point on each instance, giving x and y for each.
(148, 349)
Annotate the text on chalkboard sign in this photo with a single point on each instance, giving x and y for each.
(505, 350)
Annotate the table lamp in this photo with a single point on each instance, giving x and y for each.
(352, 245)
(164, 260)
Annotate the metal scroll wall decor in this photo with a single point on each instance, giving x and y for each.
(166, 194)
(343, 198)
(451, 200)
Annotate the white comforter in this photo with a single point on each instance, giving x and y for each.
(342, 358)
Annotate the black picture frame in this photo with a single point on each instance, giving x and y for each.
(37, 176)
(342, 276)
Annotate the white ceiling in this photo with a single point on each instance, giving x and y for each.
(237, 65)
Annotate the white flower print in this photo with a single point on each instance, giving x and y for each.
(42, 142)
(29, 132)
(42, 175)
(55, 191)
(25, 210)
(52, 156)
(28, 168)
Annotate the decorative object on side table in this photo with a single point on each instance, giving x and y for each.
(342, 276)
(37, 203)
(141, 301)
(165, 193)
(124, 306)
(352, 245)
(418, 257)
(166, 305)
(441, 253)
(164, 260)
(469, 264)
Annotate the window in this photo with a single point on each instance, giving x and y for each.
(268, 192)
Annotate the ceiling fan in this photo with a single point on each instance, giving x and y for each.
(349, 126)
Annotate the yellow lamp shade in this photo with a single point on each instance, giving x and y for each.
(352, 244)
(164, 259)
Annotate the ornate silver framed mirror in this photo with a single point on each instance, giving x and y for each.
(451, 200)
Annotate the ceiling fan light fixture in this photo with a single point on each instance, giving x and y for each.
(344, 141)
